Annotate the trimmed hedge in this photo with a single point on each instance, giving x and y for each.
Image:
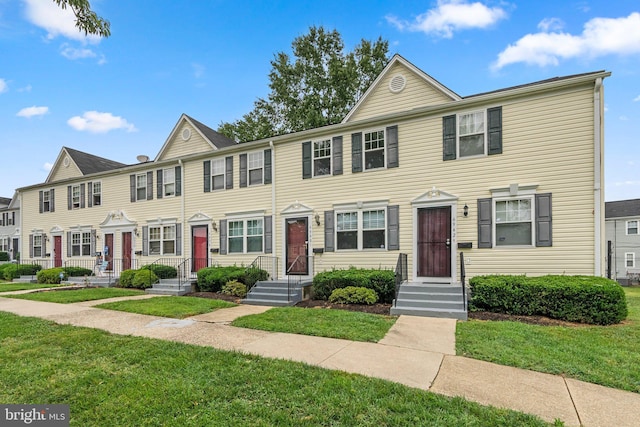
(584, 299)
(51, 276)
(4, 256)
(353, 295)
(77, 271)
(126, 278)
(212, 279)
(3, 267)
(144, 278)
(381, 281)
(13, 271)
(162, 271)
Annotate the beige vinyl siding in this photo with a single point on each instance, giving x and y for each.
(416, 93)
(178, 147)
(65, 172)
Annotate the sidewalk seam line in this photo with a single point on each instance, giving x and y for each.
(439, 369)
(572, 401)
(335, 352)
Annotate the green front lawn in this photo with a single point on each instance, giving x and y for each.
(606, 355)
(175, 307)
(343, 324)
(10, 286)
(78, 295)
(112, 380)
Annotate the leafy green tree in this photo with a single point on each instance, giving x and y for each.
(86, 19)
(316, 88)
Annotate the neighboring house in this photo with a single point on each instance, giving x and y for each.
(10, 227)
(623, 233)
(511, 178)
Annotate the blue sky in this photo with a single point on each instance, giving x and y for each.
(121, 96)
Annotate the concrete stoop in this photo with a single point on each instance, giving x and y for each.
(25, 279)
(275, 293)
(104, 282)
(430, 300)
(171, 287)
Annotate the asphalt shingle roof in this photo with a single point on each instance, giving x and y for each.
(622, 208)
(88, 163)
(216, 138)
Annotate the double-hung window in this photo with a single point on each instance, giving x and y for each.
(96, 193)
(141, 186)
(514, 222)
(256, 167)
(361, 229)
(162, 240)
(217, 174)
(246, 235)
(37, 245)
(322, 157)
(630, 259)
(632, 227)
(168, 182)
(4, 244)
(75, 196)
(80, 243)
(46, 201)
(374, 149)
(471, 134)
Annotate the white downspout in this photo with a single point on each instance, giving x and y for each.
(274, 266)
(182, 201)
(597, 165)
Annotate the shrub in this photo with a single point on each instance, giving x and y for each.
(9, 271)
(77, 271)
(235, 288)
(126, 278)
(144, 278)
(381, 281)
(162, 271)
(212, 279)
(353, 295)
(4, 256)
(28, 269)
(3, 267)
(51, 276)
(584, 299)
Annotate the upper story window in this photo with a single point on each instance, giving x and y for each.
(632, 227)
(81, 243)
(374, 150)
(218, 174)
(4, 244)
(47, 200)
(514, 222)
(255, 165)
(322, 157)
(168, 182)
(141, 186)
(75, 196)
(255, 168)
(96, 193)
(471, 134)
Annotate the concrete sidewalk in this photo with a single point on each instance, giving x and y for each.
(418, 352)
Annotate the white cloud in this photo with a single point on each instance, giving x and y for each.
(47, 166)
(55, 20)
(626, 183)
(96, 122)
(601, 36)
(636, 99)
(3, 85)
(27, 88)
(32, 111)
(548, 24)
(74, 53)
(450, 16)
(624, 118)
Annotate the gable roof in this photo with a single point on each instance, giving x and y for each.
(214, 139)
(89, 163)
(622, 208)
(5, 201)
(421, 74)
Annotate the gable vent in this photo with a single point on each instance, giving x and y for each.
(397, 83)
(186, 134)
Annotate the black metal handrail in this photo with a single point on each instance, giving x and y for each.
(266, 263)
(296, 279)
(401, 274)
(462, 279)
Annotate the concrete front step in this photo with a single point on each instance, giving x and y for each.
(430, 300)
(442, 313)
(273, 293)
(446, 305)
(170, 287)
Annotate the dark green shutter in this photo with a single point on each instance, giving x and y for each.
(160, 178)
(267, 166)
(41, 201)
(30, 246)
(82, 196)
(356, 152)
(449, 137)
(268, 234)
(69, 248)
(393, 227)
(494, 119)
(90, 194)
(543, 220)
(392, 147)
(179, 239)
(178, 178)
(149, 185)
(223, 237)
(306, 160)
(69, 196)
(52, 200)
(229, 175)
(336, 152)
(132, 187)
(329, 234)
(243, 170)
(145, 240)
(485, 223)
(207, 175)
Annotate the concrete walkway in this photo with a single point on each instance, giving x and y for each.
(418, 352)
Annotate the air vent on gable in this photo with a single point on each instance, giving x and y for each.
(186, 134)
(397, 83)
(66, 162)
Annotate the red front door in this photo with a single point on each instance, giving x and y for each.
(434, 242)
(57, 251)
(297, 243)
(108, 250)
(199, 249)
(126, 251)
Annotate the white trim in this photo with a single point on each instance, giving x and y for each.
(633, 259)
(485, 133)
(514, 190)
(260, 155)
(313, 157)
(199, 218)
(384, 149)
(245, 214)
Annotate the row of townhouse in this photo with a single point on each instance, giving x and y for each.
(9, 227)
(511, 178)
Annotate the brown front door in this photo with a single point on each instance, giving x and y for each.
(199, 249)
(126, 250)
(57, 251)
(297, 243)
(108, 250)
(434, 242)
